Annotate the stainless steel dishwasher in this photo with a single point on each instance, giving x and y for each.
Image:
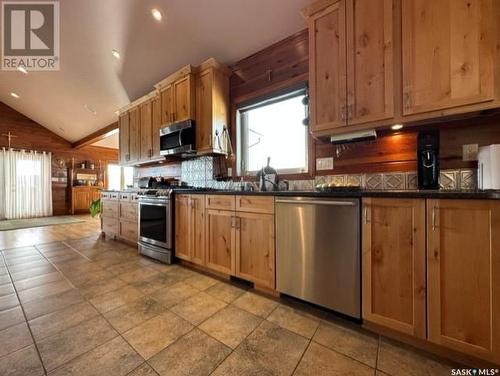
(318, 251)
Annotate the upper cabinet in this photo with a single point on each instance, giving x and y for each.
(146, 114)
(124, 138)
(134, 135)
(448, 54)
(421, 60)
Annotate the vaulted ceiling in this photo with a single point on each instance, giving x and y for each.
(190, 32)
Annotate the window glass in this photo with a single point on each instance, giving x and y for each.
(114, 177)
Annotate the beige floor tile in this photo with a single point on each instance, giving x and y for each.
(24, 362)
(51, 246)
(123, 268)
(181, 272)
(154, 335)
(195, 354)
(174, 294)
(132, 314)
(201, 282)
(4, 279)
(70, 343)
(7, 289)
(8, 301)
(225, 292)
(44, 291)
(294, 320)
(397, 359)
(231, 325)
(14, 338)
(152, 284)
(256, 304)
(113, 299)
(319, 360)
(28, 261)
(269, 350)
(138, 274)
(55, 322)
(29, 283)
(93, 288)
(348, 340)
(30, 273)
(143, 370)
(39, 307)
(11, 317)
(79, 278)
(114, 358)
(198, 308)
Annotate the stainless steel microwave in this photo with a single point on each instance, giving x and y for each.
(177, 138)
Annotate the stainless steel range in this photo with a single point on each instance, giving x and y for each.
(156, 224)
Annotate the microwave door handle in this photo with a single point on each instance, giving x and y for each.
(180, 137)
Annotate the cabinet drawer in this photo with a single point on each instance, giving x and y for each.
(128, 230)
(255, 204)
(114, 196)
(104, 195)
(220, 202)
(110, 226)
(128, 211)
(110, 209)
(125, 196)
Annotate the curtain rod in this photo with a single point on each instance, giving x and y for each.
(26, 150)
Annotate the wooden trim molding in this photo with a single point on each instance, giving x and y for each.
(96, 136)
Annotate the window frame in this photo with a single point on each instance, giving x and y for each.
(122, 174)
(271, 98)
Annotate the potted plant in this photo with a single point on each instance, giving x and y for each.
(95, 207)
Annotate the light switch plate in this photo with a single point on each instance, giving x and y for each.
(324, 164)
(469, 152)
(229, 171)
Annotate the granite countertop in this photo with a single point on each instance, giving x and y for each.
(440, 194)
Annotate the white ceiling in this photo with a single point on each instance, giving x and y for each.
(191, 31)
(111, 141)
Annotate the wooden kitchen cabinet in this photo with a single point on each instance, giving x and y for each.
(212, 107)
(190, 228)
(156, 126)
(119, 215)
(255, 249)
(327, 65)
(182, 227)
(220, 244)
(134, 135)
(197, 220)
(146, 130)
(463, 276)
(393, 257)
(448, 50)
(124, 137)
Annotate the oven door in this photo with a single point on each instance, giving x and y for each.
(177, 138)
(155, 223)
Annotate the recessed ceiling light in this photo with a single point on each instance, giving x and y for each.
(156, 14)
(14, 95)
(117, 112)
(90, 109)
(115, 53)
(22, 69)
(397, 127)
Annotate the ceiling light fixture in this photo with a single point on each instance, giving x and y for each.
(14, 95)
(22, 69)
(90, 109)
(117, 112)
(115, 53)
(156, 14)
(397, 127)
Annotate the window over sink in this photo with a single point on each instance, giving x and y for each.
(273, 127)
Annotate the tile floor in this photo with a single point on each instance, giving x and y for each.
(81, 305)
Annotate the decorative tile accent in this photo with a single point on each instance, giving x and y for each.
(449, 179)
(374, 181)
(338, 180)
(354, 180)
(468, 179)
(301, 185)
(394, 181)
(411, 180)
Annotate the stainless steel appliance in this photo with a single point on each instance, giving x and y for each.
(318, 251)
(428, 160)
(156, 224)
(177, 138)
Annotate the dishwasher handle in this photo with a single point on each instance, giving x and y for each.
(316, 202)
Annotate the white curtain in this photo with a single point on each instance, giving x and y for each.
(25, 184)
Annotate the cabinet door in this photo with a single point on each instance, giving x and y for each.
(394, 264)
(447, 54)
(183, 90)
(134, 136)
(81, 199)
(156, 118)
(182, 227)
(463, 271)
(220, 240)
(327, 68)
(124, 138)
(370, 60)
(146, 130)
(255, 251)
(167, 105)
(204, 118)
(197, 223)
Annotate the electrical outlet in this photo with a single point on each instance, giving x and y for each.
(324, 164)
(229, 172)
(469, 152)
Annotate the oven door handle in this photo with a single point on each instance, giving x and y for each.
(154, 203)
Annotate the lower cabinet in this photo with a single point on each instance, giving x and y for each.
(394, 264)
(82, 197)
(463, 276)
(119, 215)
(190, 228)
(445, 289)
(221, 233)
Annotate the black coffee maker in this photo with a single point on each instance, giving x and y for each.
(428, 160)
